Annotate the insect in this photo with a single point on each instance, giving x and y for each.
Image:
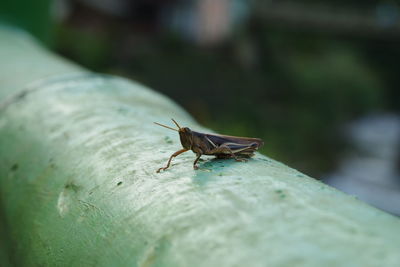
(221, 146)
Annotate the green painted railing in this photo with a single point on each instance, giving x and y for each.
(78, 184)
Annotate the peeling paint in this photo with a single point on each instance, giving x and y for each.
(63, 202)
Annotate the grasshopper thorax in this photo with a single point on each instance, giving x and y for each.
(186, 136)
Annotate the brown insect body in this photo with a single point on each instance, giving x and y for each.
(221, 146)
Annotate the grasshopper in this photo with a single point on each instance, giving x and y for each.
(220, 146)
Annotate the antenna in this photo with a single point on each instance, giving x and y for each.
(176, 124)
(166, 126)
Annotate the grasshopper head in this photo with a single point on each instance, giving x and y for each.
(186, 136)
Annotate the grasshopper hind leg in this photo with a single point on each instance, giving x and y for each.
(225, 152)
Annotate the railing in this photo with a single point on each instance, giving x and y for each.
(78, 184)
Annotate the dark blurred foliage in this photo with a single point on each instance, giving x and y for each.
(33, 16)
(291, 73)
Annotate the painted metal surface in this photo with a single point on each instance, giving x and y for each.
(78, 185)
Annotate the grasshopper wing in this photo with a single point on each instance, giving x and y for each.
(225, 145)
(234, 140)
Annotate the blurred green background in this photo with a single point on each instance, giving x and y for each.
(294, 73)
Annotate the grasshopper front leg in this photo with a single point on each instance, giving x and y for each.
(196, 160)
(169, 161)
